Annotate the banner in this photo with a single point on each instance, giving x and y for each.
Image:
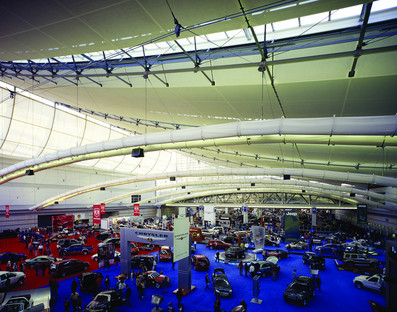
(136, 209)
(181, 238)
(96, 214)
(103, 211)
(7, 211)
(291, 222)
(361, 214)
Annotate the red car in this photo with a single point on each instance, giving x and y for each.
(218, 244)
(200, 262)
(134, 249)
(165, 254)
(156, 279)
(280, 254)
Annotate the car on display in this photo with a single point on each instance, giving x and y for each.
(332, 249)
(358, 259)
(222, 287)
(317, 241)
(278, 253)
(16, 278)
(105, 301)
(360, 247)
(146, 247)
(230, 239)
(90, 281)
(271, 240)
(300, 290)
(165, 254)
(111, 240)
(200, 262)
(41, 261)
(18, 303)
(142, 260)
(297, 245)
(375, 282)
(215, 230)
(155, 279)
(95, 256)
(314, 260)
(11, 256)
(102, 236)
(235, 253)
(77, 249)
(134, 249)
(217, 244)
(65, 242)
(69, 266)
(262, 268)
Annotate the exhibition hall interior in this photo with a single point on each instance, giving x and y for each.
(169, 155)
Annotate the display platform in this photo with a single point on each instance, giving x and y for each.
(248, 258)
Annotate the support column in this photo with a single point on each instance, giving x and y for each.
(158, 212)
(314, 216)
(245, 214)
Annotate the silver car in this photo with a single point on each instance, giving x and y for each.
(375, 282)
(16, 278)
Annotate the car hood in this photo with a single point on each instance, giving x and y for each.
(96, 305)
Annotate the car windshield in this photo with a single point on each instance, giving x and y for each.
(222, 283)
(102, 298)
(203, 261)
(154, 275)
(298, 287)
(13, 307)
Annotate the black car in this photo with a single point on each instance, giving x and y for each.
(41, 261)
(313, 260)
(105, 301)
(111, 240)
(263, 268)
(222, 287)
(102, 236)
(12, 256)
(90, 281)
(142, 260)
(69, 266)
(235, 253)
(300, 290)
(230, 239)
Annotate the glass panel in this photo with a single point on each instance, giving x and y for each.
(314, 19)
(346, 12)
(291, 23)
(383, 5)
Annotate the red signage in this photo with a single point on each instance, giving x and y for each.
(64, 221)
(96, 215)
(102, 208)
(7, 211)
(136, 209)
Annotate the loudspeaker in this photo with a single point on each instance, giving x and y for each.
(287, 177)
(137, 152)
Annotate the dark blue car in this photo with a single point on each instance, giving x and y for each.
(14, 257)
(332, 249)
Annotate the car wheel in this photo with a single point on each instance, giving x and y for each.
(304, 302)
(358, 285)
(211, 247)
(85, 252)
(21, 281)
(158, 285)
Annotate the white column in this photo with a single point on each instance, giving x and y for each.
(245, 214)
(314, 216)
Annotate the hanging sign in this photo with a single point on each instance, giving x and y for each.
(7, 211)
(136, 209)
(96, 214)
(103, 208)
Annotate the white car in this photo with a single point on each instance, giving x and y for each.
(375, 282)
(95, 257)
(16, 278)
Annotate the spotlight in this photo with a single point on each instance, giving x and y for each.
(183, 187)
(56, 203)
(29, 172)
(177, 27)
(352, 195)
(137, 152)
(252, 184)
(172, 178)
(102, 188)
(287, 177)
(238, 189)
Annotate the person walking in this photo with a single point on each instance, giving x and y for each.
(179, 295)
(264, 254)
(75, 300)
(121, 286)
(53, 303)
(240, 267)
(217, 256)
(173, 262)
(246, 268)
(22, 267)
(128, 295)
(207, 281)
(15, 267)
(170, 307)
(294, 273)
(154, 265)
(107, 281)
(74, 285)
(66, 305)
(9, 266)
(318, 282)
(217, 305)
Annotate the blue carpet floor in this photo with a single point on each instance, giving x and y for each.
(338, 291)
